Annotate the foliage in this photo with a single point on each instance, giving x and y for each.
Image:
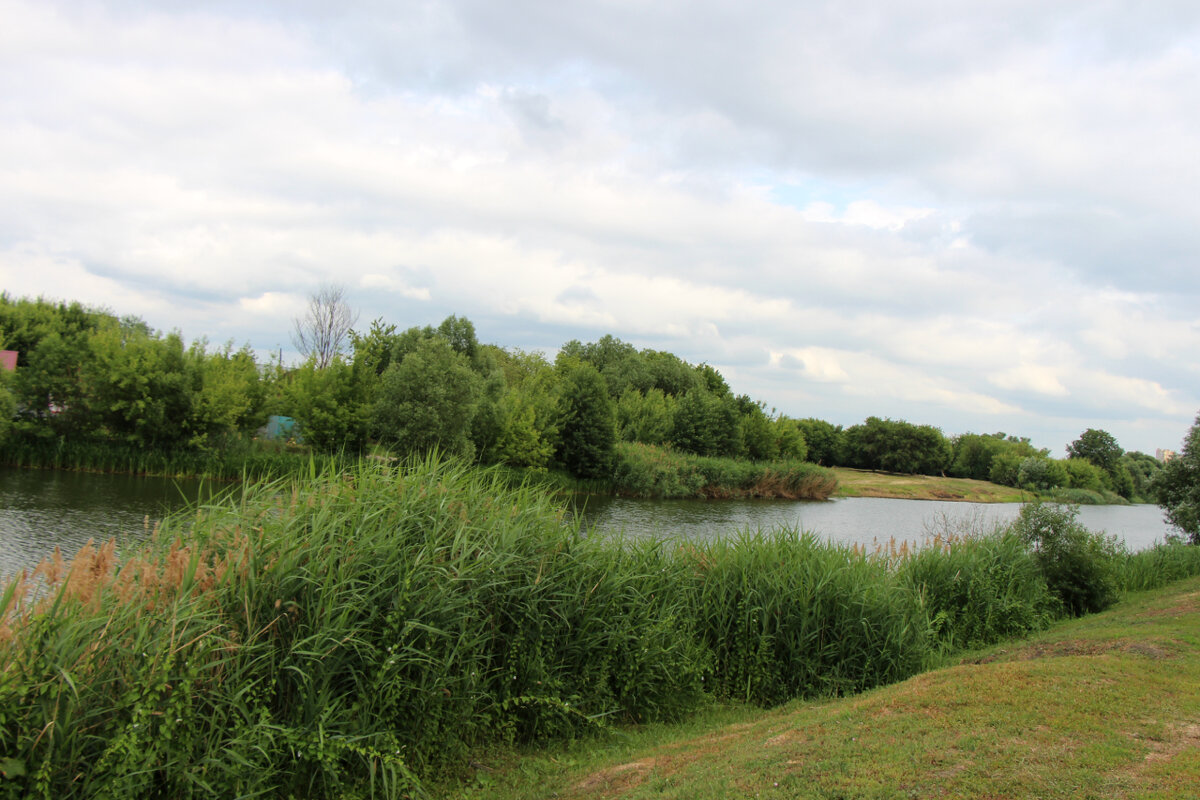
(646, 471)
(1081, 567)
(897, 446)
(974, 454)
(427, 400)
(1177, 487)
(1083, 474)
(326, 403)
(645, 416)
(587, 421)
(8, 405)
(1040, 474)
(824, 441)
(320, 333)
(1098, 447)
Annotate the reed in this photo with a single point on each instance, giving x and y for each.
(349, 629)
(643, 470)
(787, 615)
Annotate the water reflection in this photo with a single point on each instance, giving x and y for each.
(42, 509)
(850, 520)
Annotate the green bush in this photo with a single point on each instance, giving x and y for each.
(1081, 567)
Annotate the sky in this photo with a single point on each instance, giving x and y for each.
(978, 216)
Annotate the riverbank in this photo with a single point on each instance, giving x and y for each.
(1102, 706)
(867, 483)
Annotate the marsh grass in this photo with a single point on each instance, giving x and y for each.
(643, 470)
(236, 458)
(346, 632)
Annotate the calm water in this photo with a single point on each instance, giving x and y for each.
(850, 520)
(43, 509)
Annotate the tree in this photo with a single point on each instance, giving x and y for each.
(1177, 486)
(1098, 447)
(428, 400)
(587, 420)
(327, 405)
(321, 332)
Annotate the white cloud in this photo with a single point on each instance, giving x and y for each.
(987, 211)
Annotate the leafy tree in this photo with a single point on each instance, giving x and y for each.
(428, 400)
(645, 417)
(1177, 487)
(1142, 469)
(790, 439)
(373, 350)
(137, 386)
(1083, 474)
(320, 333)
(8, 405)
(327, 405)
(826, 442)
(1098, 447)
(1039, 474)
(1005, 469)
(528, 411)
(897, 446)
(758, 432)
(587, 420)
(227, 393)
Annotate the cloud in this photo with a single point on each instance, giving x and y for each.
(983, 214)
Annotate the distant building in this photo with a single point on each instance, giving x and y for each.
(8, 360)
(1164, 455)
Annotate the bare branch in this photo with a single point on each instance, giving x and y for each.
(322, 330)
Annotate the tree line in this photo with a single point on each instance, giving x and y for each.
(88, 374)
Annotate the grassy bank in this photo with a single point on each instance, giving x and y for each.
(1104, 706)
(359, 631)
(866, 483)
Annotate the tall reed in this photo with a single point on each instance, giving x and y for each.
(787, 615)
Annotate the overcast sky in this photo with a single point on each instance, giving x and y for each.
(981, 216)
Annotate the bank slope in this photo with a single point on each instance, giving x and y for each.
(1104, 706)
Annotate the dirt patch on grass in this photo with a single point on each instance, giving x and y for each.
(618, 778)
(1188, 604)
(1079, 647)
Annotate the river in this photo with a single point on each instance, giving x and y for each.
(41, 509)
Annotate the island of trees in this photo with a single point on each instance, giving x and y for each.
(96, 390)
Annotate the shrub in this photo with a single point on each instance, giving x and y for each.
(1081, 567)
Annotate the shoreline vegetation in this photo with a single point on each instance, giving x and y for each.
(93, 390)
(1101, 706)
(640, 471)
(363, 630)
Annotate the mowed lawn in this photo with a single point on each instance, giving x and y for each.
(1103, 707)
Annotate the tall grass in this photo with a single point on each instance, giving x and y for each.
(334, 635)
(235, 459)
(787, 615)
(345, 632)
(643, 470)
